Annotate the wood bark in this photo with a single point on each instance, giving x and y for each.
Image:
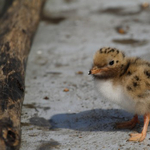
(17, 28)
(6, 5)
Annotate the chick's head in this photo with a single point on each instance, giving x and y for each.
(108, 63)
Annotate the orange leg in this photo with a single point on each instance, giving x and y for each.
(141, 136)
(128, 124)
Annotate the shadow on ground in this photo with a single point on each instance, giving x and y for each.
(90, 120)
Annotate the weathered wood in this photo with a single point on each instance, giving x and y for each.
(5, 6)
(17, 28)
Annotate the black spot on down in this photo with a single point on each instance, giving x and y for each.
(147, 73)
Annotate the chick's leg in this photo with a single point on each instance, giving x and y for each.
(128, 124)
(141, 136)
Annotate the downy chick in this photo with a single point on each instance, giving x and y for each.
(126, 82)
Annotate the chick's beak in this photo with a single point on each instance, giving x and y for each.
(97, 71)
(89, 72)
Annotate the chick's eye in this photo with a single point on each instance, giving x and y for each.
(111, 63)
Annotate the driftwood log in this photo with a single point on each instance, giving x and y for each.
(17, 28)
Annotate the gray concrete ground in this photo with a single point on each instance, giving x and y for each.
(61, 56)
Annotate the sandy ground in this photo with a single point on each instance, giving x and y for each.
(61, 108)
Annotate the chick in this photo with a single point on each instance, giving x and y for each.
(126, 82)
